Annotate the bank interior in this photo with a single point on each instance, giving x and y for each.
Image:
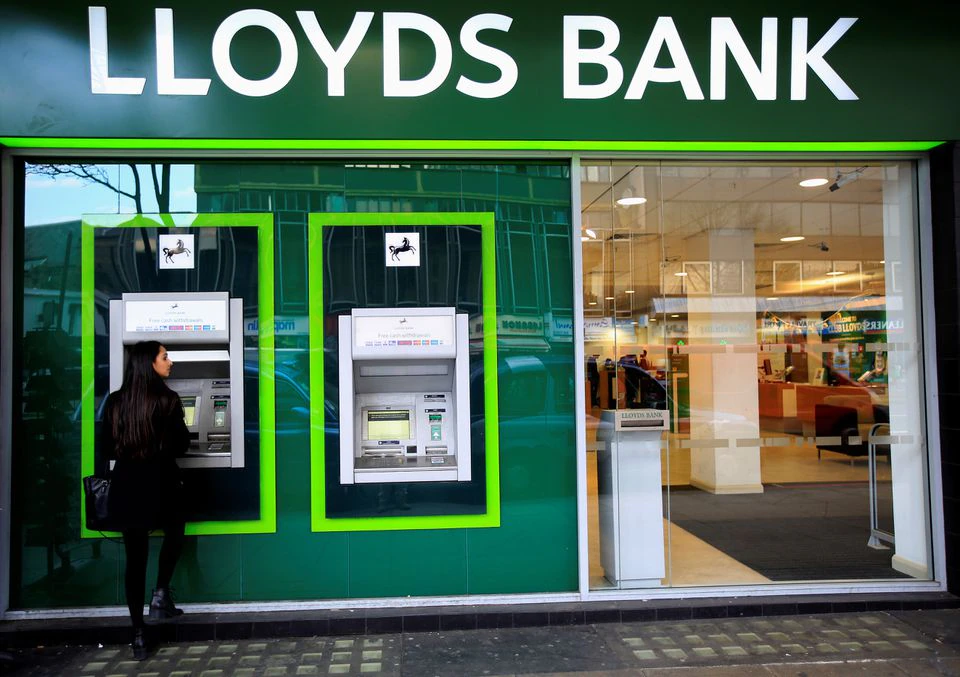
(770, 310)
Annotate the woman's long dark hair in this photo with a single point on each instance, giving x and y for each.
(142, 394)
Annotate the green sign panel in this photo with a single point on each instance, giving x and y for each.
(347, 76)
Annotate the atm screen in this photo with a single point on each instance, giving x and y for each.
(390, 424)
(189, 410)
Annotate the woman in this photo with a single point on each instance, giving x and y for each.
(144, 430)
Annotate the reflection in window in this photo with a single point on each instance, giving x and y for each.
(53, 567)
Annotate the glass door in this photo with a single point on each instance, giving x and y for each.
(627, 391)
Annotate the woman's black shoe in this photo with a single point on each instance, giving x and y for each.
(161, 605)
(139, 645)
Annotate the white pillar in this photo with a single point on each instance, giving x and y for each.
(724, 404)
(904, 374)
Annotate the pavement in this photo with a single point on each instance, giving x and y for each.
(874, 643)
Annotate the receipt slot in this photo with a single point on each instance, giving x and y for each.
(404, 396)
(630, 496)
(203, 334)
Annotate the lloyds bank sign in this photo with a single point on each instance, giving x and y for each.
(664, 39)
(819, 71)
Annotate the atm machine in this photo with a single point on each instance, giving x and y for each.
(404, 396)
(203, 334)
(630, 496)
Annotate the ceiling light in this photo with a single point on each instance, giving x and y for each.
(608, 298)
(593, 303)
(836, 272)
(634, 322)
(674, 316)
(883, 261)
(773, 298)
(653, 319)
(681, 274)
(631, 201)
(628, 291)
(814, 183)
(584, 238)
(591, 233)
(792, 238)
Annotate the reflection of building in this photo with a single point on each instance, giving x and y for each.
(51, 278)
(533, 218)
(129, 259)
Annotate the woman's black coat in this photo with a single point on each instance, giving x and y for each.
(147, 492)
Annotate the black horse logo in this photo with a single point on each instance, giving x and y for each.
(169, 253)
(404, 247)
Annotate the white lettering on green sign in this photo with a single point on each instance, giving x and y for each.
(664, 39)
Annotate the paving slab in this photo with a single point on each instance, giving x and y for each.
(510, 650)
(914, 668)
(746, 641)
(942, 625)
(711, 671)
(877, 643)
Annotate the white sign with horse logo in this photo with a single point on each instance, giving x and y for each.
(402, 249)
(175, 251)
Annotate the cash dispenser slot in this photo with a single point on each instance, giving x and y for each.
(203, 334)
(404, 386)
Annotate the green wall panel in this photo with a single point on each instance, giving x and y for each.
(534, 550)
(322, 561)
(209, 569)
(414, 563)
(535, 547)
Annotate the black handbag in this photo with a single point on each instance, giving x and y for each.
(96, 496)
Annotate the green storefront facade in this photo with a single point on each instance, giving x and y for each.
(305, 136)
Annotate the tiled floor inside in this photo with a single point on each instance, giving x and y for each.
(692, 561)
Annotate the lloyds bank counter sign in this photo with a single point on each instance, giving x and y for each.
(601, 71)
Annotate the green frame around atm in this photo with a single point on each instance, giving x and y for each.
(265, 339)
(491, 518)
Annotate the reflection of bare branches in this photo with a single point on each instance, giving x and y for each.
(160, 173)
(86, 173)
(97, 174)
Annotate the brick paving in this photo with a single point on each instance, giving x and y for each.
(745, 641)
(875, 643)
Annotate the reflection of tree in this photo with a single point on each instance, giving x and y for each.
(48, 355)
(159, 174)
(97, 174)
